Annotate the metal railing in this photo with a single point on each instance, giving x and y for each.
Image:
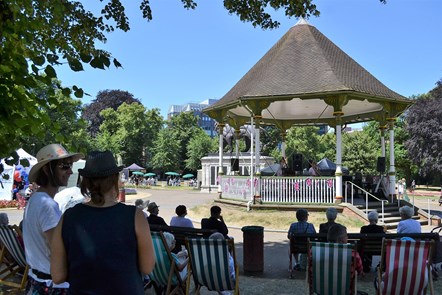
(352, 189)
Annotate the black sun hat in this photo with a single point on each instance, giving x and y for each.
(100, 164)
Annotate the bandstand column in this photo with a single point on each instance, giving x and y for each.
(392, 170)
(220, 160)
(258, 160)
(382, 128)
(283, 136)
(338, 172)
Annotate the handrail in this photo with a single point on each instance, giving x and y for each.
(366, 198)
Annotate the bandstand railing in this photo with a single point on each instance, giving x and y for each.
(273, 189)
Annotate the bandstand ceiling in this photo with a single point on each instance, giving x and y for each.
(305, 79)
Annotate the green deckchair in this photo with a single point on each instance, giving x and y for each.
(331, 269)
(209, 265)
(165, 274)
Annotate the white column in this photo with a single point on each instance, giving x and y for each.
(338, 172)
(383, 142)
(252, 172)
(257, 148)
(221, 154)
(392, 170)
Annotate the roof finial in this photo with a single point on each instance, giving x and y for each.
(302, 21)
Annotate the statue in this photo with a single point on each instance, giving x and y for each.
(245, 133)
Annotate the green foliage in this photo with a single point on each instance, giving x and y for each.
(183, 128)
(360, 152)
(129, 131)
(307, 141)
(166, 151)
(199, 146)
(35, 37)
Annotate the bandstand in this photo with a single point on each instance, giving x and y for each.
(304, 80)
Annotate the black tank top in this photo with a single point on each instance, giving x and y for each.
(101, 249)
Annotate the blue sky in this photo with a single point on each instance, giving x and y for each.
(191, 55)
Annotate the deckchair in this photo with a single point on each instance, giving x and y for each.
(331, 268)
(405, 267)
(9, 235)
(165, 274)
(209, 265)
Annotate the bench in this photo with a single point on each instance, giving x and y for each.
(368, 244)
(181, 233)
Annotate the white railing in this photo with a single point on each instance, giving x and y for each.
(280, 189)
(352, 192)
(298, 189)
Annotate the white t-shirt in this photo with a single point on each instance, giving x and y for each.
(41, 214)
(181, 221)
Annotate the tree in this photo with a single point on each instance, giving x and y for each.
(166, 151)
(199, 146)
(36, 36)
(105, 99)
(183, 127)
(360, 152)
(127, 131)
(305, 141)
(424, 124)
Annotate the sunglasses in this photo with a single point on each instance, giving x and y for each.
(65, 166)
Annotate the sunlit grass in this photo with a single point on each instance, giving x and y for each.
(271, 219)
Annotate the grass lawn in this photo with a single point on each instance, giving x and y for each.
(270, 219)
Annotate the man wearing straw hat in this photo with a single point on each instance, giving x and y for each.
(42, 213)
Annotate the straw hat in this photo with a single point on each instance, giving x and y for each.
(100, 164)
(50, 153)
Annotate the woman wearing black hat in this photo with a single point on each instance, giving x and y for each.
(102, 246)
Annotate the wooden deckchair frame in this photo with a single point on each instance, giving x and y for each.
(343, 266)
(163, 269)
(407, 266)
(212, 252)
(10, 235)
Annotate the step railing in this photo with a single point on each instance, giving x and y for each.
(352, 190)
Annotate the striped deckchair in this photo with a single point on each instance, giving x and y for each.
(406, 266)
(209, 265)
(10, 235)
(165, 275)
(331, 268)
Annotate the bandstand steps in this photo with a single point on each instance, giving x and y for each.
(391, 214)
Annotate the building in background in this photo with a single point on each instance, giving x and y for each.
(204, 121)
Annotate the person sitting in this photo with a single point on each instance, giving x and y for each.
(407, 224)
(302, 226)
(4, 219)
(313, 170)
(181, 258)
(180, 219)
(338, 234)
(373, 227)
(220, 236)
(153, 216)
(139, 203)
(215, 221)
(331, 214)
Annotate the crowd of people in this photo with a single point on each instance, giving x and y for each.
(70, 253)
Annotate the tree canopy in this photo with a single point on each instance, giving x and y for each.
(105, 99)
(424, 125)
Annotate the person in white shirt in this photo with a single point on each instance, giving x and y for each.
(42, 214)
(180, 219)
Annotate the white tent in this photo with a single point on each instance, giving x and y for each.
(7, 177)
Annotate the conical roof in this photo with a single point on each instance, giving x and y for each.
(303, 67)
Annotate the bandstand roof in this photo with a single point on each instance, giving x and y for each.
(305, 79)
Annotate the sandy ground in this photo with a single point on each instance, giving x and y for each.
(273, 280)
